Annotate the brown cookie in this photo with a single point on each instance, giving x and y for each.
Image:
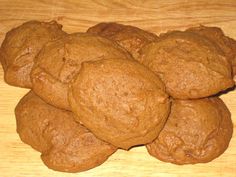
(65, 145)
(129, 37)
(20, 47)
(197, 131)
(120, 101)
(59, 61)
(190, 65)
(216, 35)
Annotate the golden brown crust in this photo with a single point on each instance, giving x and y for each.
(59, 61)
(65, 145)
(129, 37)
(216, 35)
(197, 131)
(120, 101)
(190, 66)
(20, 47)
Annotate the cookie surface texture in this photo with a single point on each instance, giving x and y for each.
(129, 37)
(20, 47)
(216, 35)
(197, 131)
(120, 101)
(59, 61)
(191, 66)
(65, 145)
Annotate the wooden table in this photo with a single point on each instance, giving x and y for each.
(19, 160)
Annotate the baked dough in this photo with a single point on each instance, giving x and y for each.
(65, 145)
(191, 66)
(216, 35)
(129, 37)
(59, 61)
(197, 131)
(20, 47)
(120, 101)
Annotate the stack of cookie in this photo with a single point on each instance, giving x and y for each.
(118, 86)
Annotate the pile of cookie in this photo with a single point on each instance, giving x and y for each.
(118, 86)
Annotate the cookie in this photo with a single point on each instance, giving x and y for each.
(197, 131)
(190, 65)
(216, 35)
(129, 37)
(59, 61)
(20, 47)
(120, 101)
(65, 145)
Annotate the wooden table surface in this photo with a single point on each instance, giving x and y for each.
(19, 160)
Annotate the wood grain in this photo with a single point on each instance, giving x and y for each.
(19, 160)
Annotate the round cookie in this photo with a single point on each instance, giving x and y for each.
(59, 61)
(216, 35)
(65, 145)
(197, 131)
(129, 37)
(190, 65)
(20, 47)
(120, 101)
